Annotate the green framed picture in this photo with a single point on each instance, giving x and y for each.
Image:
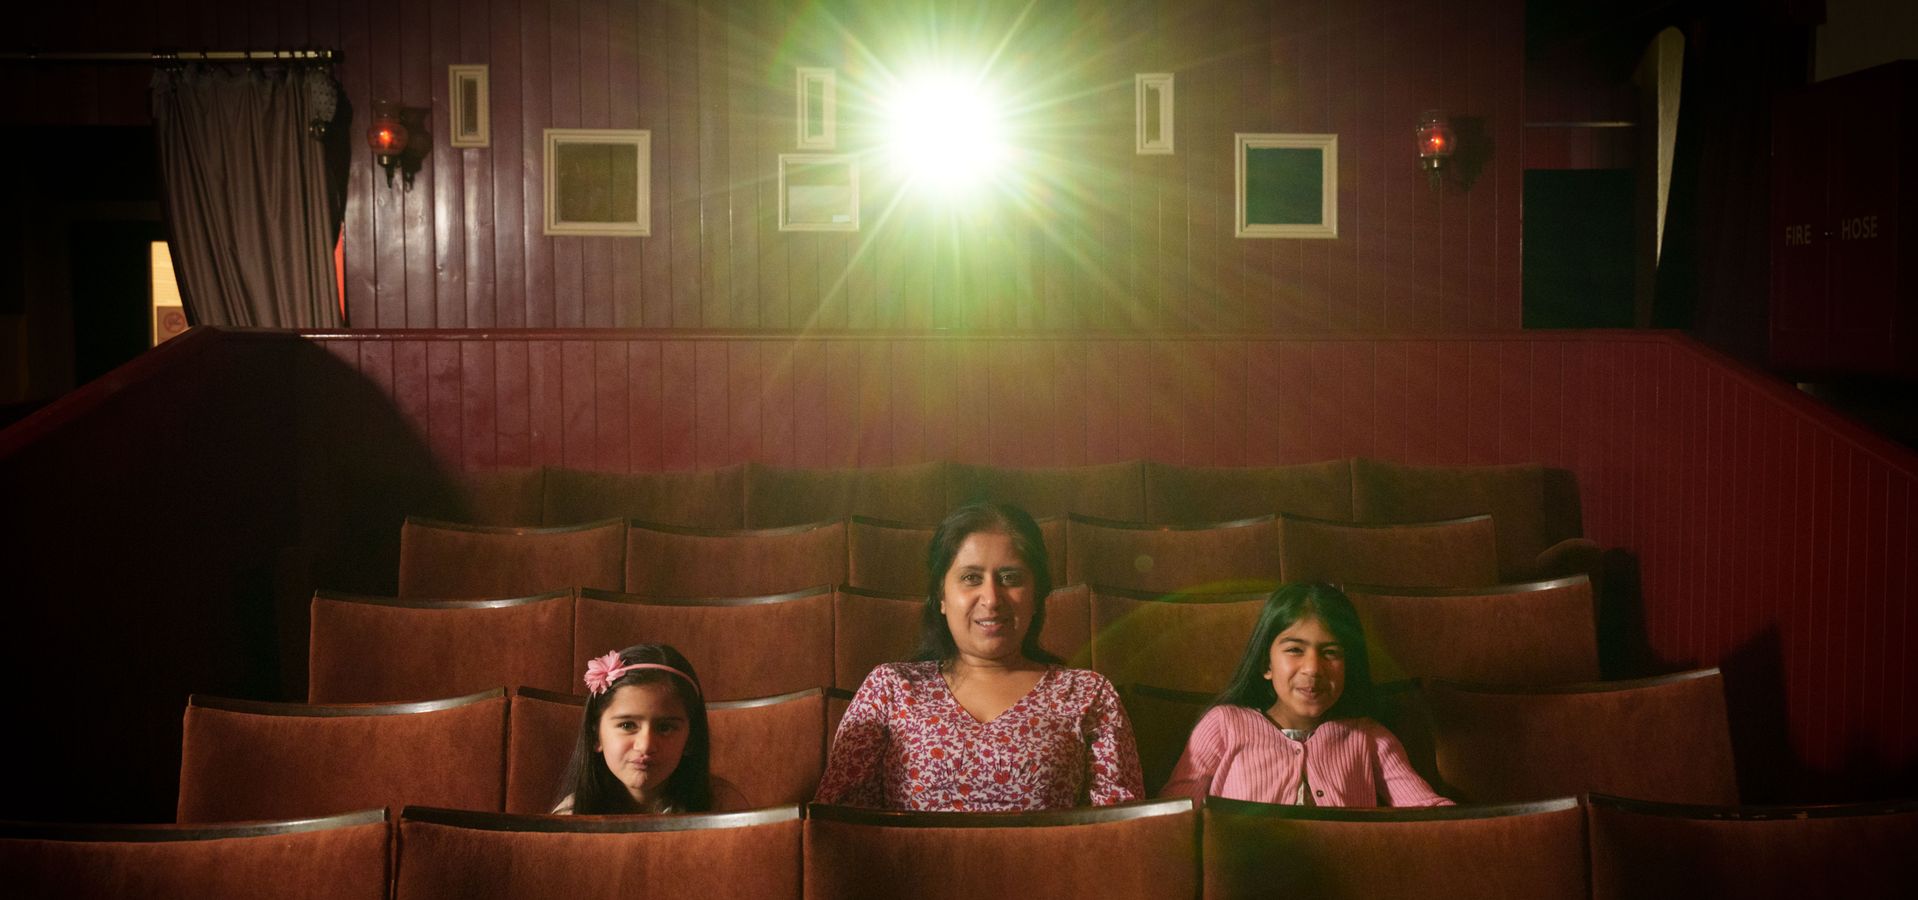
(1287, 185)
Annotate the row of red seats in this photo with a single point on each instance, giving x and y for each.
(1593, 847)
(372, 649)
(446, 560)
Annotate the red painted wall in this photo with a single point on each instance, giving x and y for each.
(1109, 240)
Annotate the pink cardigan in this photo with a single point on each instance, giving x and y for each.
(1238, 753)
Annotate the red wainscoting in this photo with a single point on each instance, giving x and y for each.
(1098, 238)
(1771, 536)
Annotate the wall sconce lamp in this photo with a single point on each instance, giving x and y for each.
(387, 138)
(1436, 143)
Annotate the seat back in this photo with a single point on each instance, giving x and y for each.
(243, 760)
(872, 628)
(1533, 851)
(1109, 491)
(664, 561)
(741, 648)
(778, 496)
(384, 650)
(1162, 722)
(1660, 739)
(446, 560)
(1141, 849)
(708, 498)
(1532, 506)
(1644, 849)
(1186, 642)
(1538, 632)
(341, 857)
(540, 734)
(890, 557)
(1455, 553)
(1176, 493)
(457, 853)
(1214, 558)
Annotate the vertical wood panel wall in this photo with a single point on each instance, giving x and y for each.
(1104, 240)
(1772, 538)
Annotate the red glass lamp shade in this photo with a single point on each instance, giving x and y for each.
(1436, 141)
(387, 137)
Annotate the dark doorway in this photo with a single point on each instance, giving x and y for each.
(1578, 234)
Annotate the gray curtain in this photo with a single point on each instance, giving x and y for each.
(250, 212)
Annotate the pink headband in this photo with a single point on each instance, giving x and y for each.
(602, 672)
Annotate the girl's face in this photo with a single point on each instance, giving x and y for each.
(642, 733)
(1308, 673)
(988, 598)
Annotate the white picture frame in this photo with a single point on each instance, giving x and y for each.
(1285, 185)
(816, 94)
(598, 181)
(818, 192)
(1153, 113)
(468, 115)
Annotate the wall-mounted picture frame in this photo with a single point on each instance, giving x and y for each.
(1152, 110)
(1286, 185)
(817, 92)
(598, 181)
(467, 106)
(818, 192)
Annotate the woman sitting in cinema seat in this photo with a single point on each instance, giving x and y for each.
(1290, 727)
(984, 719)
(643, 745)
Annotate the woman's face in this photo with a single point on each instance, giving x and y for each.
(988, 598)
(642, 734)
(1307, 670)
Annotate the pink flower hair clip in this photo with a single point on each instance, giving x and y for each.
(603, 671)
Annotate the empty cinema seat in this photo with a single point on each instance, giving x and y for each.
(1162, 722)
(1140, 849)
(1454, 553)
(837, 700)
(1538, 632)
(457, 853)
(772, 749)
(871, 628)
(1534, 851)
(1187, 642)
(663, 561)
(1535, 508)
(243, 759)
(708, 498)
(339, 857)
(1663, 738)
(740, 647)
(1214, 558)
(1176, 493)
(1663, 850)
(1106, 490)
(890, 557)
(446, 560)
(384, 650)
(777, 496)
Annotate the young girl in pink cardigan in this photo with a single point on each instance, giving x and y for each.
(1290, 727)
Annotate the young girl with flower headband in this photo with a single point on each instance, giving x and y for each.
(643, 745)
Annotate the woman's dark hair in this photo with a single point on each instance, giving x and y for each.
(689, 789)
(1287, 606)
(935, 636)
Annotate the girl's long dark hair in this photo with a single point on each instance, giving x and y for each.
(1285, 607)
(689, 789)
(935, 636)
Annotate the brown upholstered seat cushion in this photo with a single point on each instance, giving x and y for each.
(1646, 850)
(1107, 491)
(891, 556)
(1180, 494)
(377, 650)
(445, 560)
(1162, 722)
(754, 855)
(1458, 553)
(242, 760)
(1132, 850)
(709, 498)
(777, 496)
(343, 858)
(1535, 852)
(1660, 739)
(1227, 557)
(872, 628)
(685, 562)
(1534, 507)
(1189, 643)
(741, 648)
(1540, 632)
(772, 749)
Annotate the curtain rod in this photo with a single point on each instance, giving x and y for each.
(177, 56)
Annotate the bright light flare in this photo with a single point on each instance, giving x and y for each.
(946, 131)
